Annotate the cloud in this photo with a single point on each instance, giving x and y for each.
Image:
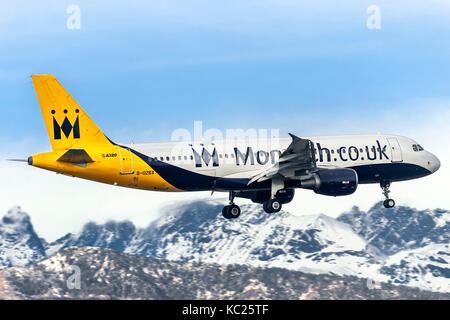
(59, 204)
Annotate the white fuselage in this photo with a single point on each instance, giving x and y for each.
(245, 158)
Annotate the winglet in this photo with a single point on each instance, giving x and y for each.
(294, 138)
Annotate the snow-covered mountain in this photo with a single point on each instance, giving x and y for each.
(110, 274)
(402, 246)
(399, 228)
(315, 243)
(425, 267)
(19, 243)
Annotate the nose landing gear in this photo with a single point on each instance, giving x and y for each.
(388, 203)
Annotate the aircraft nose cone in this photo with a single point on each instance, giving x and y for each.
(435, 164)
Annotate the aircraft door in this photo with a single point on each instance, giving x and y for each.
(126, 161)
(396, 151)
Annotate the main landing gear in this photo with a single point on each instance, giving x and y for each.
(231, 211)
(272, 205)
(388, 203)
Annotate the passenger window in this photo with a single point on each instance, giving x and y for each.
(226, 155)
(185, 157)
(167, 158)
(192, 157)
(179, 157)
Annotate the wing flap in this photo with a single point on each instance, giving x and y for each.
(297, 158)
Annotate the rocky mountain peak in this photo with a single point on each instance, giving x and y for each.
(19, 243)
(400, 228)
(15, 216)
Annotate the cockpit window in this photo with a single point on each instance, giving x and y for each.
(417, 147)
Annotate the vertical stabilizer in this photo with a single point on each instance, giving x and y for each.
(67, 123)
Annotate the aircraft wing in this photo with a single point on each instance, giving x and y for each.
(297, 160)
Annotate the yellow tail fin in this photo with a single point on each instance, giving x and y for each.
(67, 123)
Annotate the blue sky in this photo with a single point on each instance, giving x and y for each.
(142, 69)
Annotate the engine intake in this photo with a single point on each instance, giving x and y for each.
(332, 182)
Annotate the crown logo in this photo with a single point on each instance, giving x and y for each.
(66, 127)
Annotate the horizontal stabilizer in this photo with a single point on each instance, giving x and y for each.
(76, 156)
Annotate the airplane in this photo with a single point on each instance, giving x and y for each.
(266, 172)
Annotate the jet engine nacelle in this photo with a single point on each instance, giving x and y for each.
(332, 182)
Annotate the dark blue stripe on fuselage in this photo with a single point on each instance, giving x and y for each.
(374, 173)
(181, 178)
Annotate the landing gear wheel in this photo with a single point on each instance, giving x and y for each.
(389, 203)
(225, 212)
(272, 205)
(231, 212)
